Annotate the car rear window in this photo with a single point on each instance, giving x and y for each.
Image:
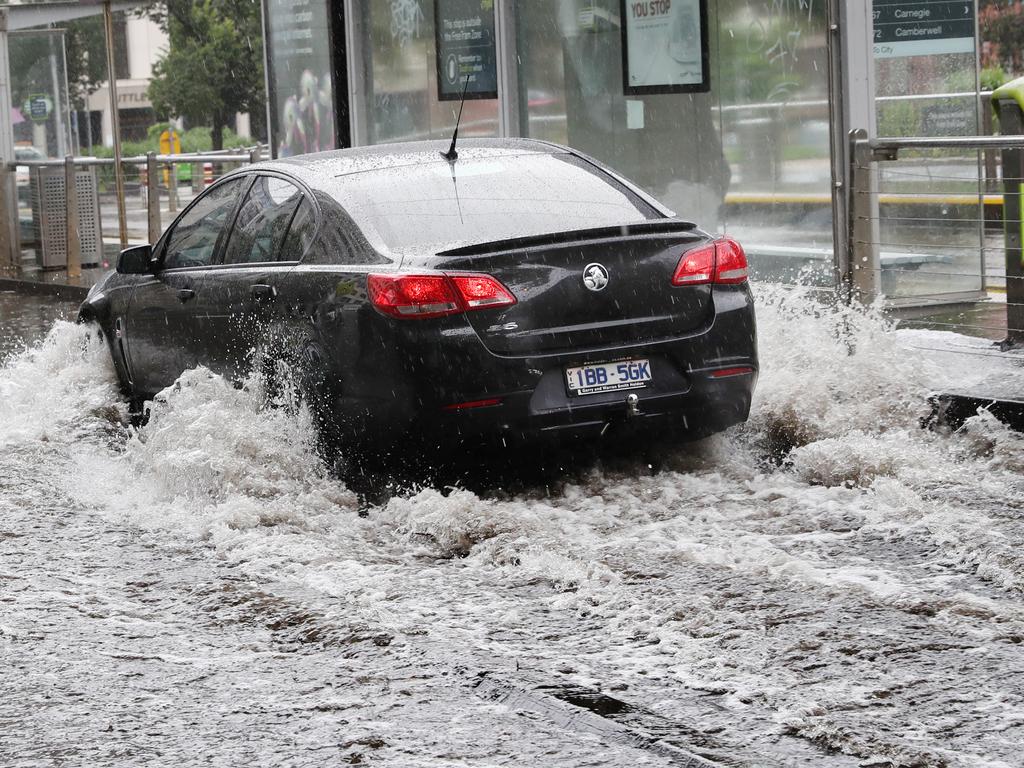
(435, 206)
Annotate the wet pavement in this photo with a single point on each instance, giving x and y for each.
(829, 585)
(25, 320)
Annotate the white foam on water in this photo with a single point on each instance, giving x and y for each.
(215, 460)
(58, 389)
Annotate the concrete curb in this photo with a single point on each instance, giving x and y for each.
(38, 288)
(953, 409)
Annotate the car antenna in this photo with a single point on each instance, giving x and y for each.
(451, 155)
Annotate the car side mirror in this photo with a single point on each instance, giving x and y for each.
(136, 260)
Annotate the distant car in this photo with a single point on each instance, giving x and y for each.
(22, 174)
(519, 291)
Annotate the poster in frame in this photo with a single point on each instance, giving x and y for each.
(664, 46)
(465, 44)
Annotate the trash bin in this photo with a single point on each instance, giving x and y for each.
(49, 216)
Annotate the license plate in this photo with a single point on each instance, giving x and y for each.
(608, 377)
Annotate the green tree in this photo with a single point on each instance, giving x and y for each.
(214, 65)
(86, 56)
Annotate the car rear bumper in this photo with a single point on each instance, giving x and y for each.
(439, 385)
(706, 405)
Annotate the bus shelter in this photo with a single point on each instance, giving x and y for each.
(735, 113)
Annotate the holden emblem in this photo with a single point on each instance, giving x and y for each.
(595, 277)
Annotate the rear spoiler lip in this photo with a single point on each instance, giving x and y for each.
(652, 227)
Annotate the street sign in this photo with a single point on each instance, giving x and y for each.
(905, 28)
(37, 107)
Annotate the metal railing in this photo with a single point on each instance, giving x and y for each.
(962, 254)
(149, 165)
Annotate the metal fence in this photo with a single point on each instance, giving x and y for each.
(154, 190)
(948, 255)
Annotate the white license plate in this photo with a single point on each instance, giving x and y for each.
(608, 377)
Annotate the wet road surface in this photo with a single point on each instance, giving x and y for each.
(829, 585)
(24, 320)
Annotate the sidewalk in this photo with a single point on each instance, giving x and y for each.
(51, 283)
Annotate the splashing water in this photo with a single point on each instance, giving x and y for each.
(827, 585)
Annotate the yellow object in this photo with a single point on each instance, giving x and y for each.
(170, 144)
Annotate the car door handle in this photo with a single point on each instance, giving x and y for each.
(263, 292)
(186, 294)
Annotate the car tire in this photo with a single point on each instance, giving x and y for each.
(319, 394)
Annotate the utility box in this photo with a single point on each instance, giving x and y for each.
(49, 216)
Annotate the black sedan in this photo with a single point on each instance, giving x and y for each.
(518, 291)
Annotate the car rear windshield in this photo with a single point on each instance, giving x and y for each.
(430, 207)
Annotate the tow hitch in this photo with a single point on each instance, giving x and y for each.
(633, 405)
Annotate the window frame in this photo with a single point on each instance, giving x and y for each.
(164, 241)
(248, 175)
(221, 258)
(307, 195)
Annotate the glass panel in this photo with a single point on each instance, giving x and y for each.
(436, 206)
(931, 218)
(401, 80)
(39, 94)
(750, 157)
(772, 67)
(194, 237)
(262, 221)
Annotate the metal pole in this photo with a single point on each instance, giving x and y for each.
(1011, 122)
(172, 188)
(9, 257)
(838, 151)
(10, 250)
(73, 237)
(115, 122)
(359, 87)
(864, 276)
(508, 68)
(270, 93)
(60, 130)
(152, 197)
(72, 114)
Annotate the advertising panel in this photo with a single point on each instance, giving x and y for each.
(299, 69)
(664, 46)
(466, 48)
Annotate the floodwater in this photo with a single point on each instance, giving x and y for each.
(829, 585)
(25, 320)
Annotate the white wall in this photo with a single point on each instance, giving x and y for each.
(146, 43)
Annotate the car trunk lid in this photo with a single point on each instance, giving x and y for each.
(586, 290)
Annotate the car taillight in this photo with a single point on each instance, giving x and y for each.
(722, 262)
(696, 267)
(479, 291)
(730, 262)
(419, 296)
(425, 296)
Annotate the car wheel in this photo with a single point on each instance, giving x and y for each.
(319, 394)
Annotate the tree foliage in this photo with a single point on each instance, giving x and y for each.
(1001, 28)
(214, 65)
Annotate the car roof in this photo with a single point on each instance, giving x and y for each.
(320, 168)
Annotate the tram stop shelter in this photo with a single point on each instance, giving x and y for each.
(735, 113)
